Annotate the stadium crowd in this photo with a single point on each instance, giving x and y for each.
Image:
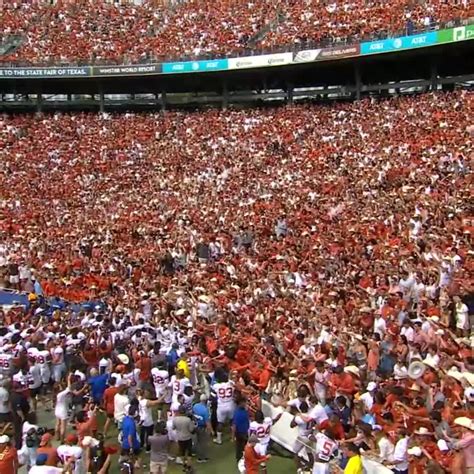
(98, 31)
(316, 256)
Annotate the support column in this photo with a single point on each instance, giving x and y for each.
(289, 93)
(163, 101)
(101, 101)
(358, 81)
(225, 96)
(434, 76)
(39, 103)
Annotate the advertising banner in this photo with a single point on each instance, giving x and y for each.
(398, 44)
(340, 52)
(195, 66)
(265, 60)
(461, 33)
(44, 72)
(307, 55)
(132, 70)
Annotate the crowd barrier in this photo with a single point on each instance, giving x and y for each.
(282, 434)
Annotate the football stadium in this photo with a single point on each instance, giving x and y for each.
(235, 236)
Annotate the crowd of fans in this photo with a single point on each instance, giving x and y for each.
(316, 256)
(98, 31)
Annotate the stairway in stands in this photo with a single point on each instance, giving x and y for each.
(9, 43)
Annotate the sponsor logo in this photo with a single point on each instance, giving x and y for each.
(195, 66)
(340, 52)
(397, 43)
(459, 34)
(103, 71)
(306, 56)
(463, 33)
(243, 63)
(272, 61)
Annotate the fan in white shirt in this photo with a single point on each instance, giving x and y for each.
(367, 398)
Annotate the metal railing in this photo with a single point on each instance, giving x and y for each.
(293, 47)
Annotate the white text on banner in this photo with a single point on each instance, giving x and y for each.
(265, 60)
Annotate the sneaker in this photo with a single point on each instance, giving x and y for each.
(215, 440)
(200, 461)
(179, 460)
(171, 458)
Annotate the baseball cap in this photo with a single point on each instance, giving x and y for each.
(41, 459)
(371, 386)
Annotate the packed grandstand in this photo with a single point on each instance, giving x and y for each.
(281, 289)
(85, 31)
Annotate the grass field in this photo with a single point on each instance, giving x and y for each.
(222, 458)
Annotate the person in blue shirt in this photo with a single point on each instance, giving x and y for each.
(343, 412)
(130, 439)
(98, 384)
(172, 358)
(240, 427)
(203, 428)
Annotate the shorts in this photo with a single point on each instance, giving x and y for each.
(156, 466)
(5, 417)
(261, 448)
(14, 279)
(225, 413)
(58, 372)
(185, 447)
(46, 376)
(300, 443)
(165, 394)
(34, 392)
(321, 468)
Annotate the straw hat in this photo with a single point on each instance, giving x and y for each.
(123, 358)
(422, 431)
(465, 422)
(353, 370)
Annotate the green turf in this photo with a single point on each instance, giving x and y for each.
(222, 458)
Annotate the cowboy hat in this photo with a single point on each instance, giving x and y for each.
(422, 431)
(465, 422)
(123, 358)
(353, 370)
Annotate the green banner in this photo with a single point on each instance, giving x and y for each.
(461, 33)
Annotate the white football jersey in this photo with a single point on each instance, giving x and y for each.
(6, 362)
(325, 447)
(160, 379)
(261, 430)
(224, 392)
(43, 357)
(178, 385)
